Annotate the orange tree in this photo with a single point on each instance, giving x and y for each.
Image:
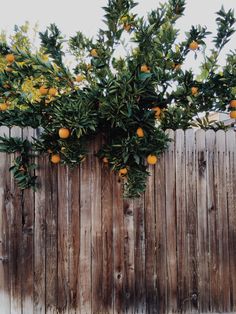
(130, 100)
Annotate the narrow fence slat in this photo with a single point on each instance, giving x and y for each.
(16, 237)
(62, 245)
(171, 225)
(161, 252)
(107, 239)
(139, 257)
(150, 244)
(39, 236)
(118, 246)
(85, 236)
(214, 283)
(184, 304)
(191, 217)
(129, 255)
(74, 239)
(96, 225)
(231, 197)
(50, 181)
(4, 230)
(220, 160)
(202, 236)
(27, 267)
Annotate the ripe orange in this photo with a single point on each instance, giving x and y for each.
(94, 53)
(55, 159)
(157, 111)
(127, 27)
(140, 132)
(3, 107)
(43, 90)
(10, 58)
(193, 45)
(123, 172)
(105, 160)
(152, 159)
(194, 90)
(52, 91)
(79, 78)
(233, 103)
(64, 133)
(233, 114)
(144, 68)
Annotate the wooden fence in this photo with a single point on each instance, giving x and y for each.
(75, 246)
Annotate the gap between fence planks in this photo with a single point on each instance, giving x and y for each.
(75, 246)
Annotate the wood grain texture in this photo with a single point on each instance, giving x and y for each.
(76, 246)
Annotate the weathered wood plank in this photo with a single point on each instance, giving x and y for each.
(96, 224)
(221, 197)
(202, 237)
(15, 237)
(150, 244)
(231, 197)
(27, 240)
(160, 207)
(107, 239)
(214, 284)
(5, 300)
(74, 239)
(184, 304)
(51, 234)
(139, 256)
(62, 245)
(191, 217)
(171, 226)
(85, 237)
(129, 255)
(41, 200)
(118, 246)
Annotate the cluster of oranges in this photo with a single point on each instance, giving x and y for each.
(233, 112)
(63, 133)
(44, 91)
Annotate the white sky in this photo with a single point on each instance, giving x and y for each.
(86, 16)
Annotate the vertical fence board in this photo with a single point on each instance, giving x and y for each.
(150, 244)
(191, 213)
(39, 238)
(182, 245)
(222, 220)
(96, 212)
(4, 230)
(74, 239)
(51, 235)
(161, 235)
(171, 225)
(139, 256)
(27, 268)
(62, 246)
(118, 246)
(15, 237)
(85, 236)
(231, 197)
(107, 238)
(202, 221)
(214, 283)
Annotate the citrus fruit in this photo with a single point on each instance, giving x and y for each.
(123, 172)
(140, 132)
(43, 90)
(194, 90)
(233, 103)
(55, 159)
(193, 45)
(79, 78)
(152, 159)
(144, 68)
(3, 106)
(233, 114)
(157, 111)
(64, 133)
(52, 91)
(10, 58)
(94, 53)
